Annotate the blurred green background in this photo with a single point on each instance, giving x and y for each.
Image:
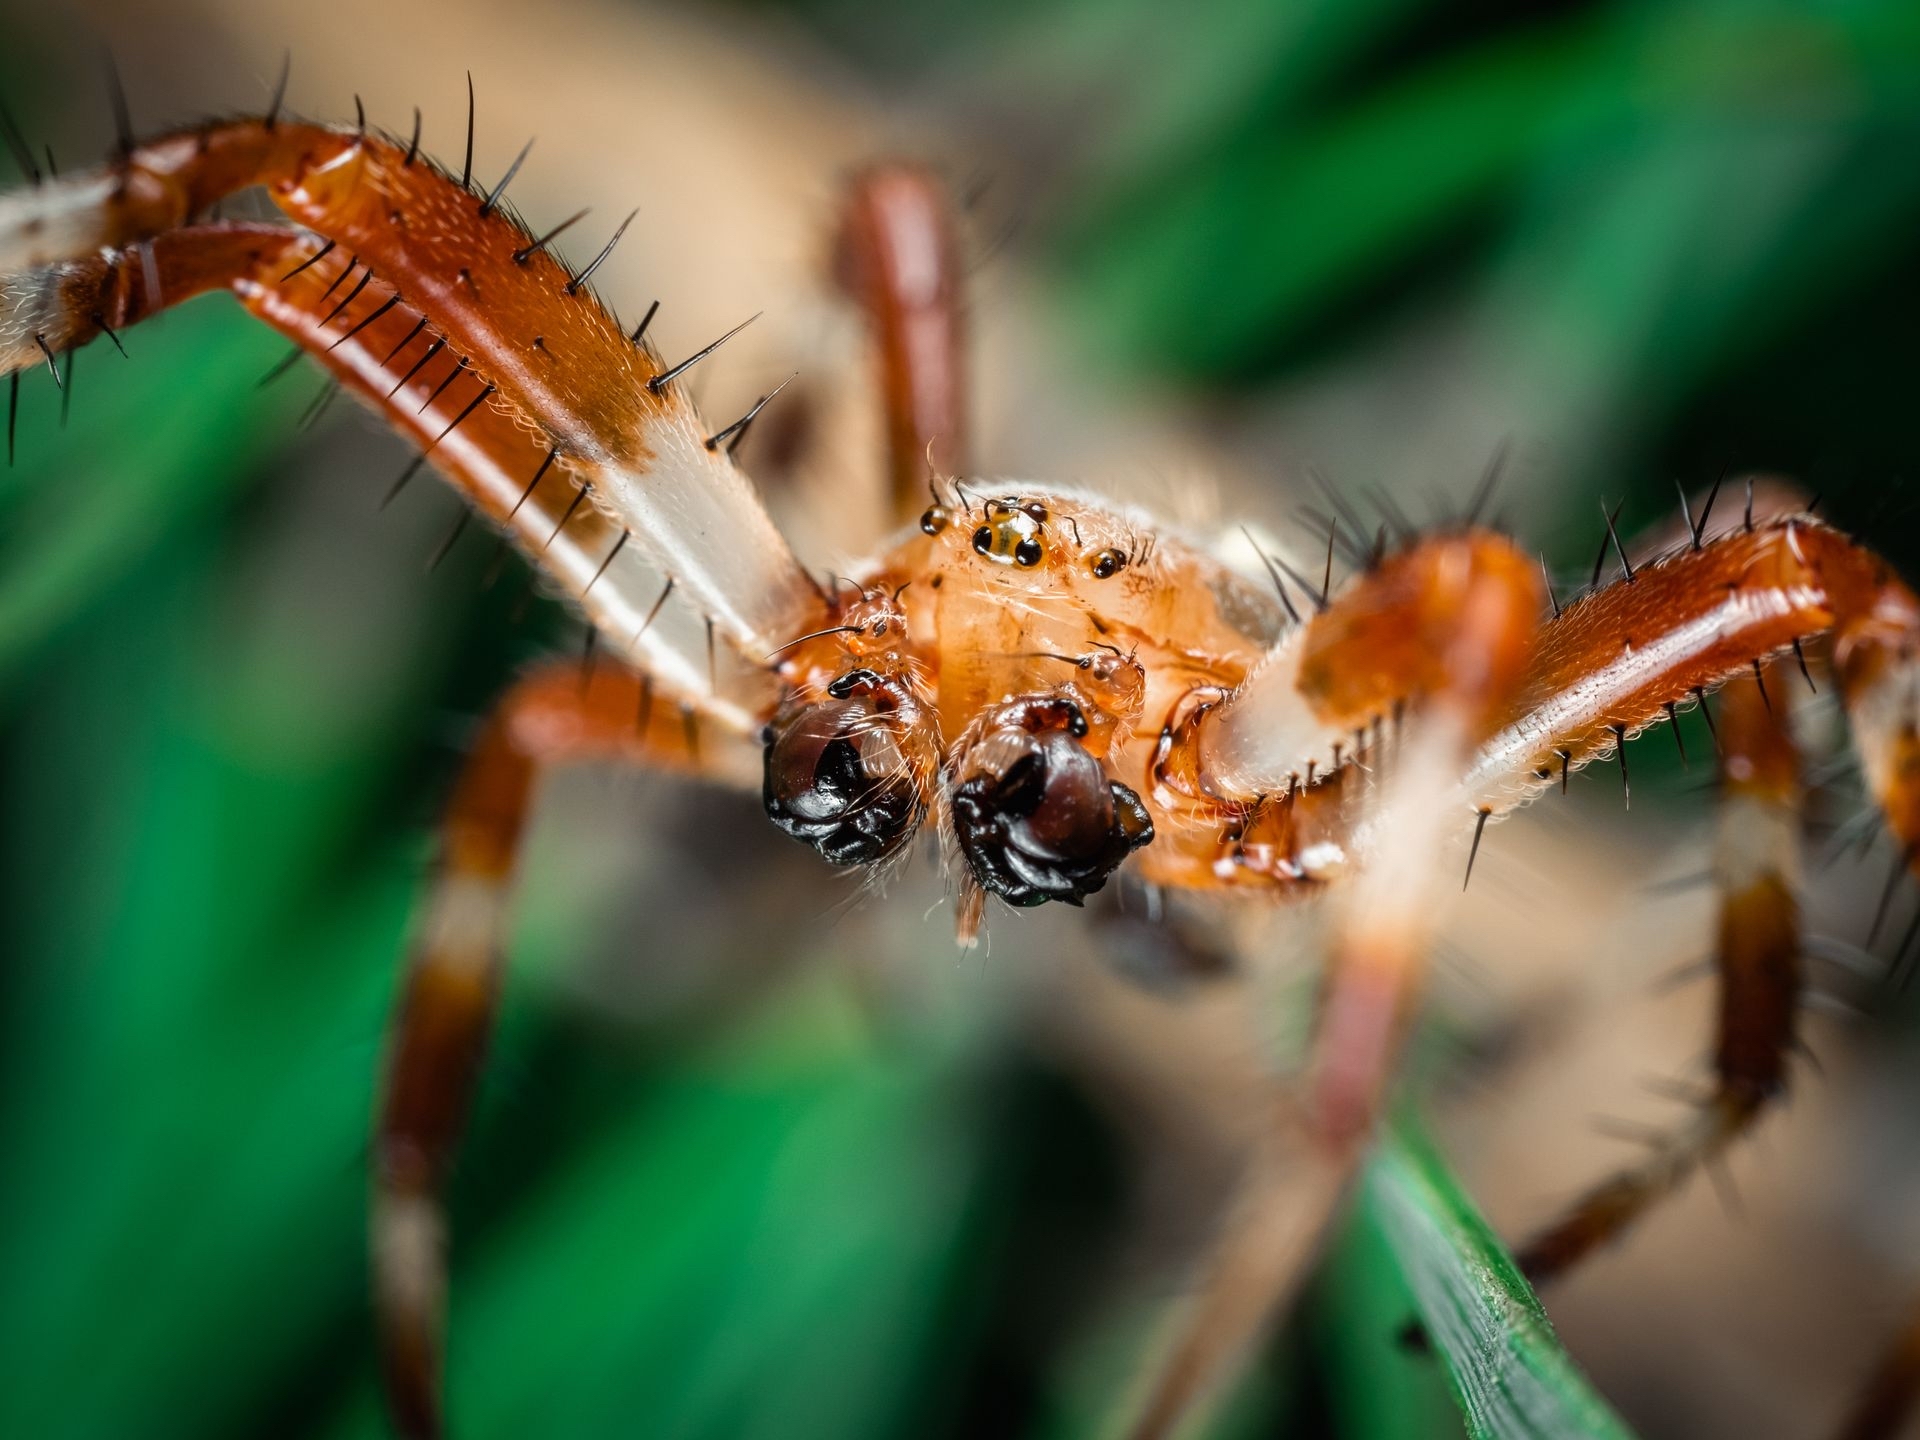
(726, 1180)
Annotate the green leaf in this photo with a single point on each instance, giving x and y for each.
(1367, 1347)
(1502, 1360)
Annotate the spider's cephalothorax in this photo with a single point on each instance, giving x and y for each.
(1062, 684)
(1007, 653)
(1043, 638)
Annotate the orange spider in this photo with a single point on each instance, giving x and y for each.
(1058, 686)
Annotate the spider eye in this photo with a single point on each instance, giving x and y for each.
(934, 519)
(1012, 534)
(835, 778)
(1049, 825)
(1107, 564)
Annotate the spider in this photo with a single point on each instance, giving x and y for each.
(1055, 686)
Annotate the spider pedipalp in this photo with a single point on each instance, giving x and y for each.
(1035, 814)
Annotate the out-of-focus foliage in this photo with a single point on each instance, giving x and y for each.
(1683, 233)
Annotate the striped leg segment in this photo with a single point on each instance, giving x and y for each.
(553, 362)
(1757, 957)
(381, 349)
(1478, 601)
(898, 256)
(1606, 667)
(452, 985)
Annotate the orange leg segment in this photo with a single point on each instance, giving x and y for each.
(898, 256)
(1481, 601)
(533, 345)
(1614, 661)
(1757, 954)
(386, 352)
(452, 985)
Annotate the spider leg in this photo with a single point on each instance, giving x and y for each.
(387, 354)
(531, 346)
(527, 456)
(1607, 666)
(1757, 958)
(452, 984)
(898, 255)
(1613, 663)
(1464, 608)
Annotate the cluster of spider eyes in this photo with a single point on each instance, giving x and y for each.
(1012, 534)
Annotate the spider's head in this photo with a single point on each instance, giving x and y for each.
(848, 773)
(1034, 812)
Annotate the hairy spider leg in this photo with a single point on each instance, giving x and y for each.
(1478, 599)
(468, 337)
(453, 979)
(1705, 614)
(897, 255)
(556, 361)
(520, 426)
(556, 715)
(1607, 666)
(389, 356)
(1757, 960)
(1620, 660)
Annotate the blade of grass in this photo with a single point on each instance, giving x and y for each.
(1368, 1348)
(1505, 1366)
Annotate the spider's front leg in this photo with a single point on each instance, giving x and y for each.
(563, 429)
(1709, 613)
(554, 716)
(1612, 663)
(418, 286)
